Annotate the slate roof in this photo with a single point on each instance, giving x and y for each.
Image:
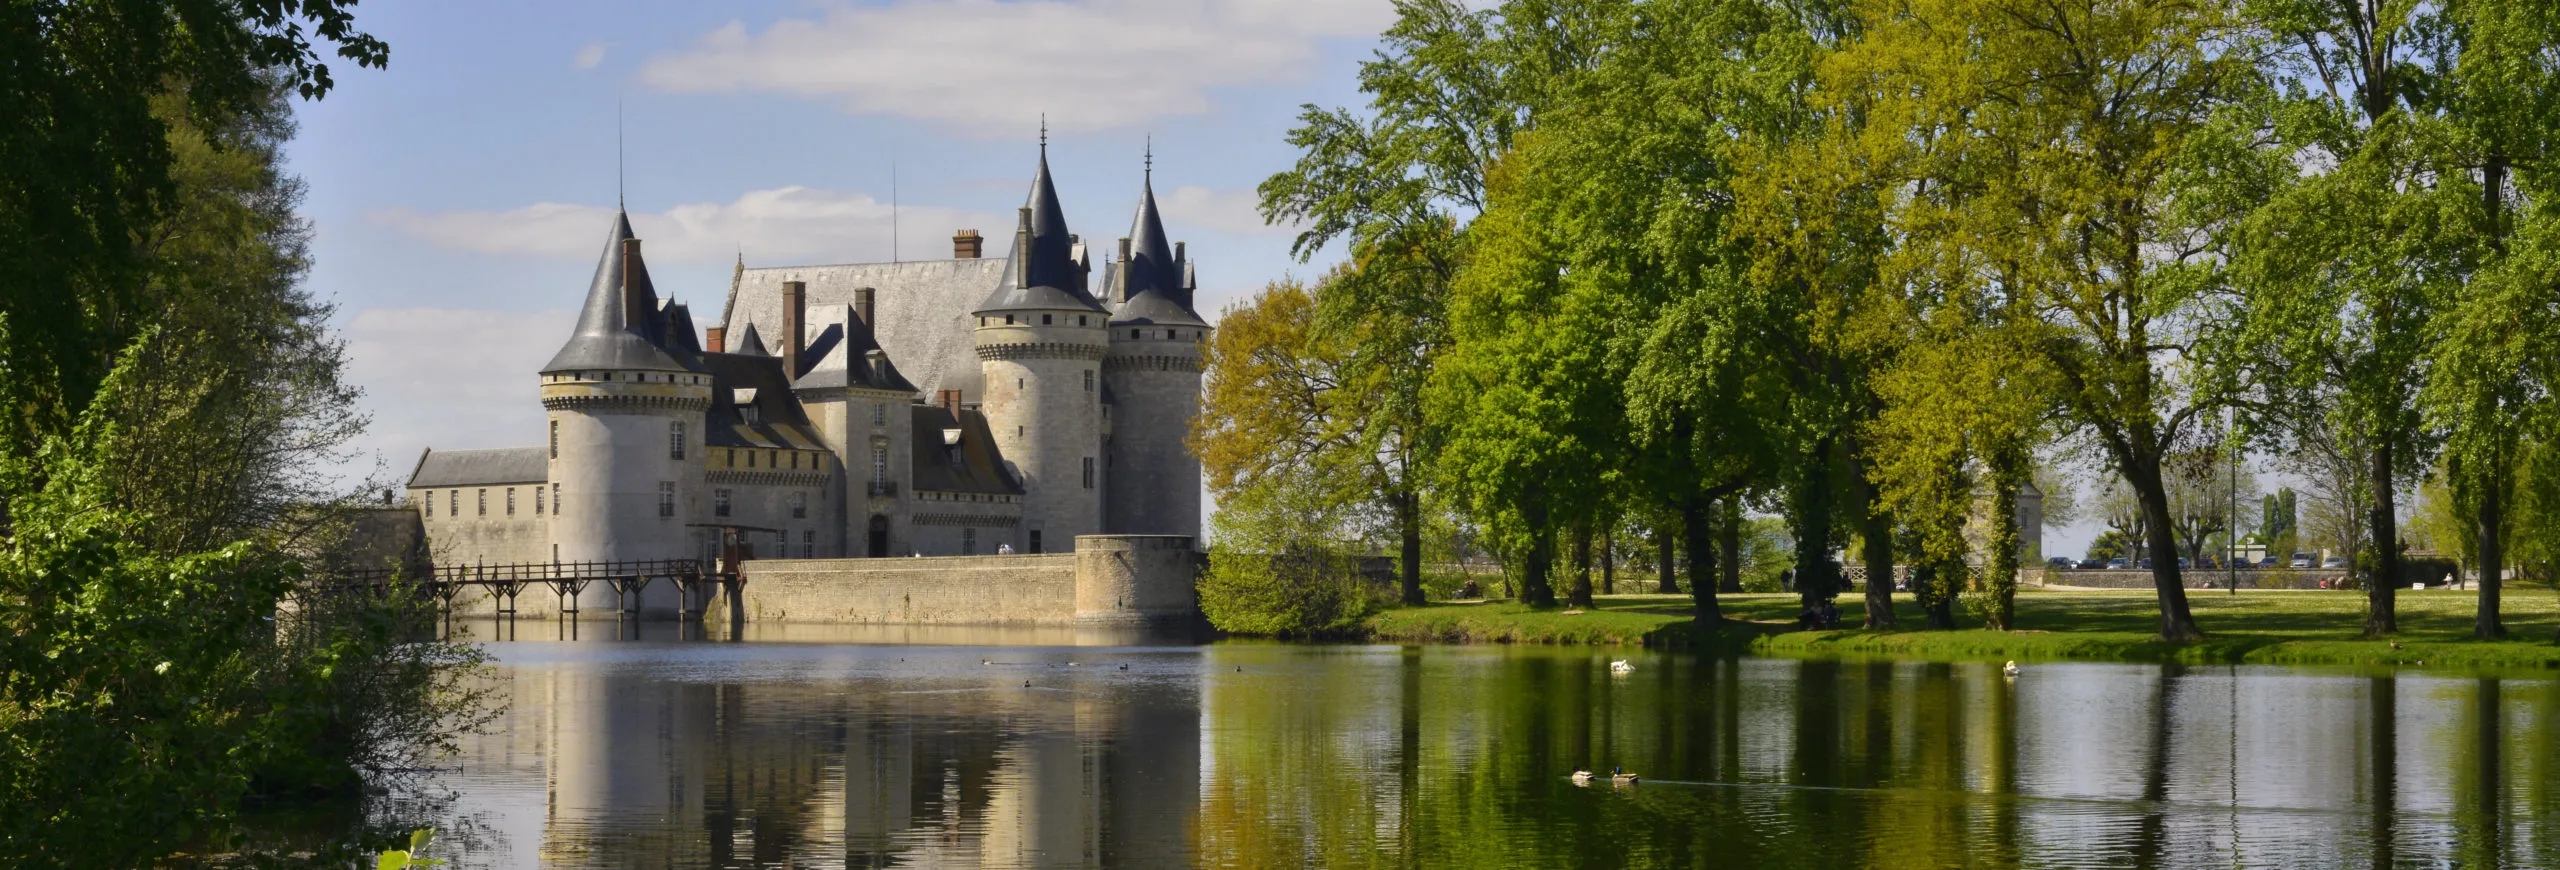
(840, 352)
(920, 310)
(957, 454)
(621, 325)
(1047, 268)
(444, 468)
(757, 382)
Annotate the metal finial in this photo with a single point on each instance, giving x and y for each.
(618, 201)
(1044, 131)
(1151, 155)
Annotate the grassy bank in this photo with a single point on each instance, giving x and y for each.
(2274, 627)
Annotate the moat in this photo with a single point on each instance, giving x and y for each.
(954, 748)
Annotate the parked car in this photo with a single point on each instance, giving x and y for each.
(2063, 563)
(2334, 562)
(2146, 564)
(2270, 562)
(2118, 564)
(2301, 560)
(2092, 564)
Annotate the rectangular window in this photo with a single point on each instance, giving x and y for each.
(452, 503)
(1088, 472)
(1044, 319)
(537, 500)
(555, 439)
(719, 502)
(809, 544)
(1088, 380)
(431, 505)
(795, 461)
(480, 502)
(751, 459)
(511, 501)
(799, 505)
(968, 542)
(879, 466)
(1035, 540)
(675, 439)
(879, 413)
(555, 496)
(667, 498)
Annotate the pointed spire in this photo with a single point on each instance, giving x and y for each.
(1151, 279)
(750, 344)
(616, 327)
(1043, 272)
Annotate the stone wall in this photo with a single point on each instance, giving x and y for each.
(934, 590)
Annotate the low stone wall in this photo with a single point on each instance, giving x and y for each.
(935, 590)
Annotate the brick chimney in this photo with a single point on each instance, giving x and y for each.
(863, 300)
(795, 311)
(951, 402)
(716, 339)
(966, 245)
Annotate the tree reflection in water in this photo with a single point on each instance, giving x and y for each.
(814, 754)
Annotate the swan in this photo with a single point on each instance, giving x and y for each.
(2009, 670)
(1621, 666)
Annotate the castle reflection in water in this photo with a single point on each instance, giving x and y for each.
(864, 757)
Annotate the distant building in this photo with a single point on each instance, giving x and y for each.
(940, 407)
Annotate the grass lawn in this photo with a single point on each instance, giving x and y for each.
(2263, 626)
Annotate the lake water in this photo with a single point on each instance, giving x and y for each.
(842, 749)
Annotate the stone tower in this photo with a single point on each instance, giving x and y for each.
(626, 399)
(1040, 339)
(1153, 374)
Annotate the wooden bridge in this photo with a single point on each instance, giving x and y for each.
(694, 586)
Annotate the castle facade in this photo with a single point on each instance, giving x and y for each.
(939, 407)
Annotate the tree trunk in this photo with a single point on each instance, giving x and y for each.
(1409, 530)
(1668, 584)
(2001, 569)
(1696, 524)
(1815, 583)
(1609, 559)
(1579, 594)
(1536, 589)
(2492, 555)
(1729, 538)
(2382, 578)
(1875, 547)
(2177, 622)
(1937, 609)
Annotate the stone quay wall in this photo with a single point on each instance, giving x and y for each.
(1109, 581)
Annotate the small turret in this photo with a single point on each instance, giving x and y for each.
(1153, 374)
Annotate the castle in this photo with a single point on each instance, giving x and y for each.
(940, 407)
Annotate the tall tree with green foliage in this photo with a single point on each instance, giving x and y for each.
(2493, 381)
(89, 164)
(2084, 124)
(1400, 183)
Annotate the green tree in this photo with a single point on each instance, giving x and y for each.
(2086, 172)
(89, 162)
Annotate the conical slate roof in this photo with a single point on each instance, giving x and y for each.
(750, 344)
(1151, 280)
(616, 329)
(1044, 253)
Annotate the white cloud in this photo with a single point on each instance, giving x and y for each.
(591, 55)
(781, 223)
(450, 378)
(1223, 211)
(992, 67)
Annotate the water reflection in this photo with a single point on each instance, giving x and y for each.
(663, 754)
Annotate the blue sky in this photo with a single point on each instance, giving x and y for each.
(460, 194)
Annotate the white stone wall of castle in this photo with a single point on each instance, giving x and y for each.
(1042, 395)
(852, 423)
(789, 512)
(1153, 477)
(471, 524)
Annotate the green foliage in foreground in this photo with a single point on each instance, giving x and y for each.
(2273, 627)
